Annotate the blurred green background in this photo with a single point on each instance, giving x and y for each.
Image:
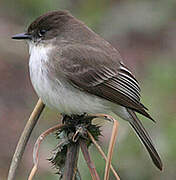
(145, 33)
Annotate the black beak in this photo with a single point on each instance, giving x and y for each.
(22, 36)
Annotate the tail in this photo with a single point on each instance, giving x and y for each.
(145, 138)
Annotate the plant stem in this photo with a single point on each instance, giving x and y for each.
(90, 163)
(110, 150)
(70, 168)
(37, 147)
(24, 139)
(103, 154)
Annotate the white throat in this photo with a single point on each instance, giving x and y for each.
(37, 50)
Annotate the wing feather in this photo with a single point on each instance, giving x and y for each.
(95, 72)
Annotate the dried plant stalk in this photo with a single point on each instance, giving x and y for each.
(90, 163)
(102, 153)
(70, 168)
(110, 150)
(37, 146)
(24, 139)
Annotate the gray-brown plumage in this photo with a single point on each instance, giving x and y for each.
(76, 71)
(92, 70)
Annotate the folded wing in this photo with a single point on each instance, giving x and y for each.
(95, 72)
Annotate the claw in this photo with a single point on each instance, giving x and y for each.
(81, 131)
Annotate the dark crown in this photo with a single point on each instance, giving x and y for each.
(50, 20)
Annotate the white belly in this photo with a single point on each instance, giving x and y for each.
(57, 93)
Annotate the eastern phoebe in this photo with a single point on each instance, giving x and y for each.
(75, 71)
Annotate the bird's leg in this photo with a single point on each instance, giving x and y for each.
(80, 131)
(64, 118)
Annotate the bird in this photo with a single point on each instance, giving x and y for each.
(75, 71)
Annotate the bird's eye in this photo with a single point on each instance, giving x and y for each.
(41, 32)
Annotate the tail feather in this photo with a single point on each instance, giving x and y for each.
(145, 138)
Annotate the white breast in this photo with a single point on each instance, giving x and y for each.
(56, 92)
(38, 72)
